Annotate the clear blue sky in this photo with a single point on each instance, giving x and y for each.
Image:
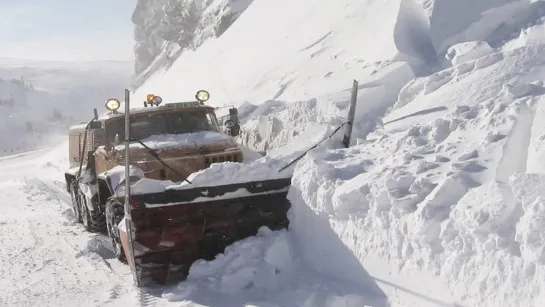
(67, 30)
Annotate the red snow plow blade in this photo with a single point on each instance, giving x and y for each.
(171, 230)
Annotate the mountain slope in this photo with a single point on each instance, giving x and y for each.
(164, 28)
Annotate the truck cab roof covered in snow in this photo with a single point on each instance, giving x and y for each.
(179, 130)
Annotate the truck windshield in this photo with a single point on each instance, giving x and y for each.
(143, 126)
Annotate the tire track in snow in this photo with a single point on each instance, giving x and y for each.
(56, 263)
(144, 297)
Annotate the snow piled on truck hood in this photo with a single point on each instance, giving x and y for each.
(217, 174)
(166, 141)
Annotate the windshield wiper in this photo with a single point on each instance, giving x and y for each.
(156, 156)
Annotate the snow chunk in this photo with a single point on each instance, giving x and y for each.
(117, 176)
(229, 172)
(531, 36)
(259, 262)
(437, 206)
(467, 51)
(485, 210)
(531, 231)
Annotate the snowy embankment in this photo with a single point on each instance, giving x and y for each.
(448, 205)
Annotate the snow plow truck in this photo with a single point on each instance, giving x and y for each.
(160, 234)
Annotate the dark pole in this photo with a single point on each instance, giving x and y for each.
(351, 114)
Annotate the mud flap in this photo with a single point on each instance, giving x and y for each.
(171, 230)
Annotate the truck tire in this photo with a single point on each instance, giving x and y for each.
(74, 195)
(114, 215)
(93, 221)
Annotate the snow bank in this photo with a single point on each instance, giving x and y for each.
(429, 97)
(261, 263)
(285, 129)
(531, 36)
(437, 209)
(264, 271)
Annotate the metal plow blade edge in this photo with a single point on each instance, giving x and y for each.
(171, 230)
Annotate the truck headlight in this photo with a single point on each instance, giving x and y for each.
(112, 104)
(202, 95)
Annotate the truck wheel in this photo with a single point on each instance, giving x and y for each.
(93, 221)
(114, 215)
(74, 195)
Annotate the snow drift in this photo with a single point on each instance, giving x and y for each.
(446, 208)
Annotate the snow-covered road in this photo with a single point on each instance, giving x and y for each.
(48, 260)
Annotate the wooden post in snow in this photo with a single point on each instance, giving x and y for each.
(127, 206)
(351, 114)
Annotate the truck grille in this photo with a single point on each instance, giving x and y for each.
(221, 158)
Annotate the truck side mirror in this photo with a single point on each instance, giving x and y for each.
(232, 124)
(233, 128)
(235, 131)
